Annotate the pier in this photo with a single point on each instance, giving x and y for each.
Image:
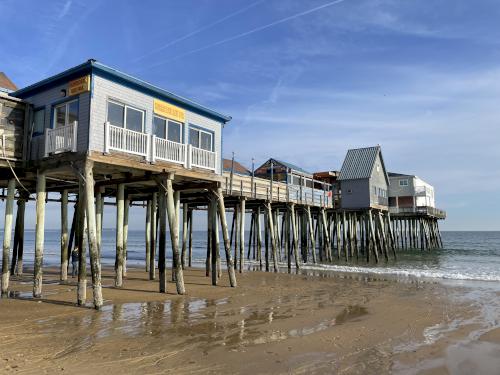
(92, 137)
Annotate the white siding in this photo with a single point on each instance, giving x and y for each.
(104, 89)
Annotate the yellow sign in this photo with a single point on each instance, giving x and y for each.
(79, 85)
(170, 111)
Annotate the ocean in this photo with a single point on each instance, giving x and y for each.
(466, 256)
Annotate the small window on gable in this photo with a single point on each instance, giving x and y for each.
(403, 182)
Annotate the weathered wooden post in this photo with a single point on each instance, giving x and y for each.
(184, 234)
(271, 234)
(242, 234)
(64, 236)
(152, 252)
(214, 246)
(119, 260)
(174, 236)
(162, 236)
(190, 220)
(7, 235)
(126, 207)
(41, 194)
(99, 207)
(82, 246)
(258, 236)
(95, 262)
(222, 215)
(148, 234)
(311, 234)
(177, 214)
(16, 267)
(209, 236)
(294, 236)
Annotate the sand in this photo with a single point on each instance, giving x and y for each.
(270, 324)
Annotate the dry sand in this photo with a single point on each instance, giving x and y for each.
(270, 323)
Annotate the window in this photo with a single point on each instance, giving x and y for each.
(38, 121)
(124, 116)
(65, 113)
(200, 139)
(167, 129)
(403, 182)
(309, 183)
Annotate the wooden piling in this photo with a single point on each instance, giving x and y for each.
(39, 234)
(82, 246)
(7, 235)
(64, 236)
(294, 236)
(190, 219)
(17, 255)
(126, 208)
(95, 262)
(148, 234)
(311, 234)
(119, 258)
(222, 215)
(272, 236)
(152, 239)
(242, 234)
(162, 238)
(174, 235)
(184, 234)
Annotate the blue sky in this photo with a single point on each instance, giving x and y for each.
(304, 80)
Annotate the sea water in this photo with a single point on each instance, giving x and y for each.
(473, 256)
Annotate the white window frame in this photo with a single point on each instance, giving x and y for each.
(125, 107)
(167, 120)
(404, 182)
(199, 138)
(66, 114)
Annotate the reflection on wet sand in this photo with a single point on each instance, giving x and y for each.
(196, 322)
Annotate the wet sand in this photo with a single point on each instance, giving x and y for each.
(271, 323)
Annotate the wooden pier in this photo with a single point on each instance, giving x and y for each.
(93, 161)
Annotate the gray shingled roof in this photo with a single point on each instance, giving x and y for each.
(358, 163)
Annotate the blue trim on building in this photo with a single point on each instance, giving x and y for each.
(93, 67)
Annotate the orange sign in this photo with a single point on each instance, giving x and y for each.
(79, 85)
(169, 111)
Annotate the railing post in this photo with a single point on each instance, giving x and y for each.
(152, 148)
(189, 151)
(106, 137)
(75, 136)
(46, 140)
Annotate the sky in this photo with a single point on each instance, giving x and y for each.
(304, 81)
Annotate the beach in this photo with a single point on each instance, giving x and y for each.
(311, 322)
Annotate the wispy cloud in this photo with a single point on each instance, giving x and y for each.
(65, 9)
(246, 33)
(198, 31)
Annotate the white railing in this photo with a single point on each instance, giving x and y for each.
(168, 150)
(61, 139)
(153, 148)
(125, 140)
(202, 158)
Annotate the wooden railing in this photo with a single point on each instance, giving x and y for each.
(202, 158)
(420, 210)
(169, 151)
(260, 188)
(61, 139)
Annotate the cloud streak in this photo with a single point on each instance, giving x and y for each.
(246, 33)
(198, 31)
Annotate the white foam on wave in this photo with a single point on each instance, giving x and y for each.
(408, 273)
